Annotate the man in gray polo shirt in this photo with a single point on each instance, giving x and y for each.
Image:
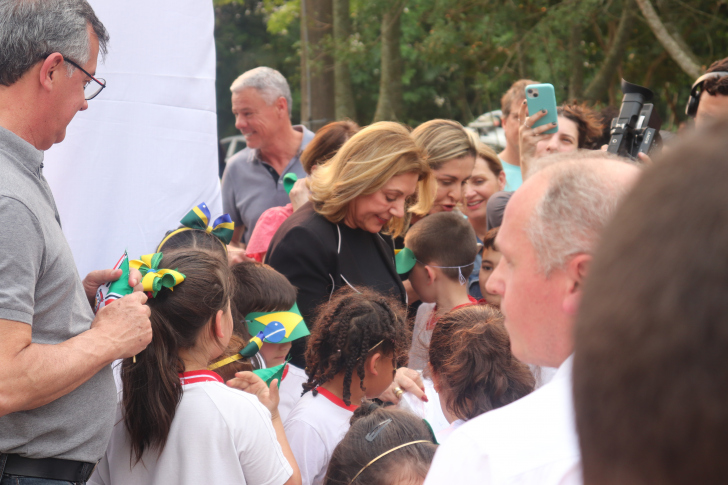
(57, 392)
(253, 179)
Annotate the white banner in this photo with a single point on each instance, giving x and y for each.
(145, 152)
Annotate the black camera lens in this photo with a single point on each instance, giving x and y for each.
(530, 91)
(535, 95)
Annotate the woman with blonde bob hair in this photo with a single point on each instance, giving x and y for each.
(360, 199)
(451, 155)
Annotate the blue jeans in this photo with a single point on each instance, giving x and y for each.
(15, 480)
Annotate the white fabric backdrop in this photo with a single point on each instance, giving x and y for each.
(145, 152)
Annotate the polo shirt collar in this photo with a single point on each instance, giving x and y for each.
(307, 137)
(20, 150)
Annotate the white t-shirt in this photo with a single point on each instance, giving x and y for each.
(430, 410)
(315, 426)
(530, 441)
(444, 434)
(290, 389)
(218, 435)
(419, 352)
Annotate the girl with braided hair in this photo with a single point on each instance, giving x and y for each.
(351, 354)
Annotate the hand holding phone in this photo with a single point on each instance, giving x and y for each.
(542, 97)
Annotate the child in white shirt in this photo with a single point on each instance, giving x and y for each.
(264, 297)
(351, 354)
(177, 421)
(443, 248)
(472, 367)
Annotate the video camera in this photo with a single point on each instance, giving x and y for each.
(638, 125)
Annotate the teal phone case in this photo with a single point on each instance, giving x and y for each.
(541, 96)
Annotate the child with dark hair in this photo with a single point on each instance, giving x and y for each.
(264, 296)
(384, 446)
(443, 248)
(178, 422)
(472, 366)
(490, 259)
(195, 233)
(351, 355)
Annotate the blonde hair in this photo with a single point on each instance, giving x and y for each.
(489, 156)
(443, 140)
(362, 166)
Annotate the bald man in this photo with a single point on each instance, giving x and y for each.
(550, 229)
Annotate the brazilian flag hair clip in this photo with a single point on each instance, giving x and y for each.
(153, 278)
(274, 327)
(199, 218)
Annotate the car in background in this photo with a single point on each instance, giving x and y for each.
(489, 128)
(228, 147)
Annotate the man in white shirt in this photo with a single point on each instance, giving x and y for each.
(550, 228)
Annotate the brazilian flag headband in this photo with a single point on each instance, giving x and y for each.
(153, 278)
(271, 327)
(199, 218)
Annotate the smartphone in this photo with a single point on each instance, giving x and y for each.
(542, 96)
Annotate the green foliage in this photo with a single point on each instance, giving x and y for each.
(460, 56)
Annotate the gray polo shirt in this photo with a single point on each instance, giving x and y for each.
(40, 286)
(250, 186)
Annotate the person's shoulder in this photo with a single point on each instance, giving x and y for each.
(302, 223)
(297, 371)
(231, 404)
(239, 162)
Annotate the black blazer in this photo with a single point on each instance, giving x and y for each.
(317, 258)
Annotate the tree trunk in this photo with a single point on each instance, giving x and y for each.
(576, 81)
(343, 94)
(681, 55)
(600, 84)
(317, 70)
(389, 105)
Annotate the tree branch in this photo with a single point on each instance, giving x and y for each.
(678, 54)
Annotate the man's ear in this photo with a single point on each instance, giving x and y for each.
(281, 105)
(50, 70)
(576, 272)
(372, 364)
(217, 329)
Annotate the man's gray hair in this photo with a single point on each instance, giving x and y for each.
(581, 197)
(270, 84)
(33, 29)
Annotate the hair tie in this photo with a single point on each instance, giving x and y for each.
(385, 454)
(199, 218)
(153, 278)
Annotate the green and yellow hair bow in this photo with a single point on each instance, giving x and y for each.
(153, 278)
(199, 218)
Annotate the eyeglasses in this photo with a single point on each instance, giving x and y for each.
(90, 89)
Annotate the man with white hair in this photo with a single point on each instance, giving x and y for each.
(550, 229)
(57, 392)
(253, 178)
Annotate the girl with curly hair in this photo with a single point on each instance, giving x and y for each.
(351, 354)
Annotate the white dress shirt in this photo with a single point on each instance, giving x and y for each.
(530, 441)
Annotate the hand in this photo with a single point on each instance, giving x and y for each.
(94, 279)
(126, 324)
(236, 255)
(528, 137)
(408, 380)
(299, 193)
(252, 384)
(645, 158)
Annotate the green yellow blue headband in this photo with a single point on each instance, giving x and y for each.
(404, 260)
(277, 327)
(272, 327)
(153, 278)
(199, 218)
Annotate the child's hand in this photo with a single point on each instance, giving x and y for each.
(252, 384)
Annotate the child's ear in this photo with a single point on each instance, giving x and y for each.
(372, 364)
(217, 325)
(431, 275)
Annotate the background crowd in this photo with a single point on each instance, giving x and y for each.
(380, 304)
